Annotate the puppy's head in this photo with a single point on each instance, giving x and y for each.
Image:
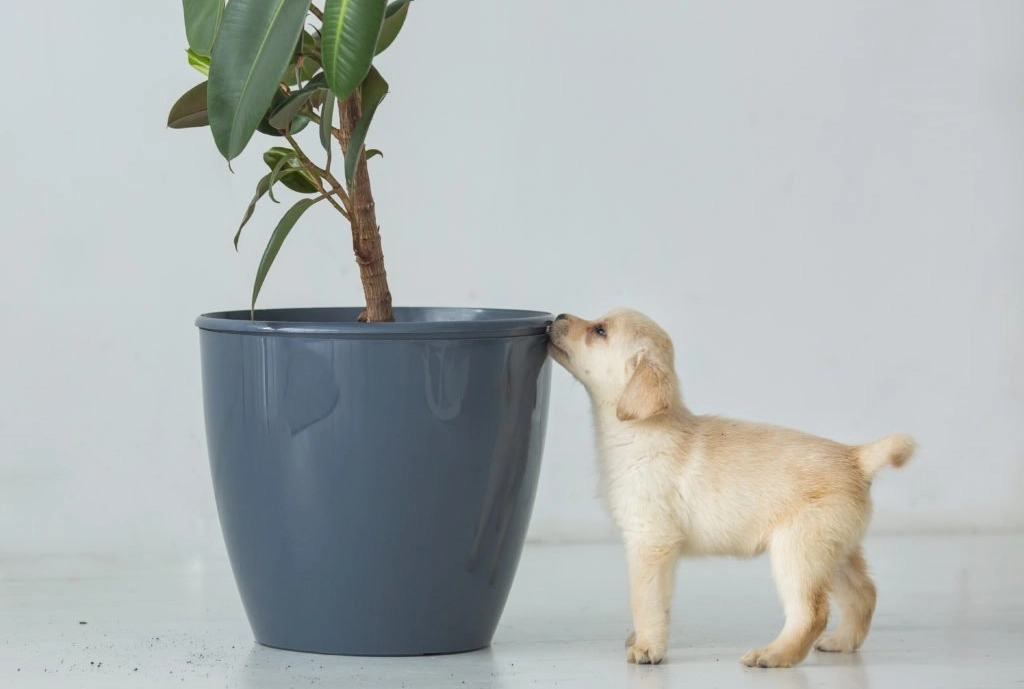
(624, 359)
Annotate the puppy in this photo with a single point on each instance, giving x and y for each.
(677, 484)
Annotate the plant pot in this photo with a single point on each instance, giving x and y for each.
(374, 482)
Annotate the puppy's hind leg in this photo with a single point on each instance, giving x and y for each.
(855, 593)
(651, 580)
(802, 564)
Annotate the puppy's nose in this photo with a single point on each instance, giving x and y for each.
(561, 317)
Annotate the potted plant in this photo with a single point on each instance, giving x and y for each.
(374, 467)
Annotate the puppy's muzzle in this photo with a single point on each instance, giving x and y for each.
(556, 334)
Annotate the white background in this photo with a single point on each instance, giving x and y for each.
(822, 202)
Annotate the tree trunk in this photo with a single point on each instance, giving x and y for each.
(365, 231)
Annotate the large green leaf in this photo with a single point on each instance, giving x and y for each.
(281, 116)
(394, 18)
(190, 109)
(373, 91)
(200, 62)
(350, 32)
(202, 17)
(254, 45)
(274, 245)
(262, 187)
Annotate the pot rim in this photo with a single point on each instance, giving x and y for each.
(411, 322)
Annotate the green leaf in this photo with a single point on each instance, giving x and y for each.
(262, 187)
(306, 67)
(281, 117)
(264, 127)
(272, 156)
(297, 179)
(373, 91)
(394, 18)
(202, 18)
(306, 60)
(285, 167)
(274, 245)
(200, 62)
(275, 173)
(255, 43)
(350, 32)
(309, 44)
(370, 152)
(190, 109)
(326, 117)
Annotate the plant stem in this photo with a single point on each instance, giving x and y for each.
(327, 194)
(323, 172)
(336, 188)
(365, 232)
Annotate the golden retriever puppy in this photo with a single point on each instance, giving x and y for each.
(678, 484)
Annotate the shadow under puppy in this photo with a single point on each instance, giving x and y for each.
(680, 484)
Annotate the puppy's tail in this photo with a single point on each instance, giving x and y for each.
(895, 449)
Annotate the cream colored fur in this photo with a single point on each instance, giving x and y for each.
(679, 484)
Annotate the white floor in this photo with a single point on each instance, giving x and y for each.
(950, 614)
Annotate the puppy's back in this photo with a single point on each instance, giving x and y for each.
(750, 478)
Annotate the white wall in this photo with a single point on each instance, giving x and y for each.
(822, 202)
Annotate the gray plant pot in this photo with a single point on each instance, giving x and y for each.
(374, 481)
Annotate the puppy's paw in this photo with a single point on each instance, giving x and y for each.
(643, 653)
(837, 643)
(769, 657)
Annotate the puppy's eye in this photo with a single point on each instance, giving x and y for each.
(600, 331)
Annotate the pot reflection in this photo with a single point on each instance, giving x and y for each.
(518, 390)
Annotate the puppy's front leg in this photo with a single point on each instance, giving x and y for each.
(651, 581)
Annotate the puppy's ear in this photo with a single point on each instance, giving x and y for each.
(648, 392)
